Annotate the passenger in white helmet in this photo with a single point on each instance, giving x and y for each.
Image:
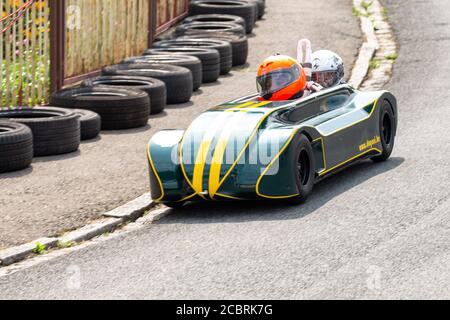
(327, 68)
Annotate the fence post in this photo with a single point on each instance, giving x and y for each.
(153, 6)
(57, 43)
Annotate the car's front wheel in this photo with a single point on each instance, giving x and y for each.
(304, 169)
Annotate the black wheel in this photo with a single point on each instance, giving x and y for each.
(239, 44)
(156, 89)
(178, 80)
(55, 130)
(388, 131)
(192, 63)
(16, 146)
(209, 27)
(210, 59)
(223, 47)
(244, 9)
(119, 107)
(304, 169)
(90, 123)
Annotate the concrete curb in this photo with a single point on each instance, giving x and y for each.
(379, 43)
(378, 49)
(367, 51)
(131, 211)
(387, 51)
(90, 231)
(16, 254)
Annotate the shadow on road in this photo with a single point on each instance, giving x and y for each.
(17, 174)
(326, 190)
(58, 157)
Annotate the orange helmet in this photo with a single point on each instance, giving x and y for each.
(280, 78)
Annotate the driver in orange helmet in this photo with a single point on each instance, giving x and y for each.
(281, 78)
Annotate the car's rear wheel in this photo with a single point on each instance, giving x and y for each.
(303, 169)
(388, 130)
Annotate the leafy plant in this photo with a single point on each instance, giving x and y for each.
(65, 244)
(391, 56)
(39, 249)
(359, 13)
(374, 64)
(366, 4)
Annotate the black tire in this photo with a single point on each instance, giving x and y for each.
(119, 107)
(388, 131)
(224, 48)
(210, 59)
(216, 18)
(245, 10)
(260, 8)
(156, 89)
(304, 171)
(178, 80)
(55, 130)
(16, 146)
(192, 63)
(239, 44)
(209, 27)
(90, 123)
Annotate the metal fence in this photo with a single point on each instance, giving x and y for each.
(103, 32)
(24, 52)
(85, 35)
(169, 12)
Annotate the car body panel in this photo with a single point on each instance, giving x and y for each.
(244, 149)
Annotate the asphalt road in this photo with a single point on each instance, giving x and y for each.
(373, 231)
(67, 192)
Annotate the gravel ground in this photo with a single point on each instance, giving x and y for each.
(66, 192)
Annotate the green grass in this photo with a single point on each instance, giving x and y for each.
(64, 245)
(366, 4)
(392, 56)
(374, 64)
(359, 13)
(40, 248)
(21, 78)
(385, 13)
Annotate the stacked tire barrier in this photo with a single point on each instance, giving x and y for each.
(16, 146)
(119, 108)
(190, 62)
(206, 45)
(156, 89)
(178, 80)
(247, 10)
(55, 131)
(223, 47)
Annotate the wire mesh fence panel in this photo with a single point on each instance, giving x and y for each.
(103, 32)
(24, 52)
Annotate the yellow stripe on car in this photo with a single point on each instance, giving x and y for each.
(219, 152)
(249, 105)
(202, 155)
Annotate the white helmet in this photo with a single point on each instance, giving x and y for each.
(328, 68)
